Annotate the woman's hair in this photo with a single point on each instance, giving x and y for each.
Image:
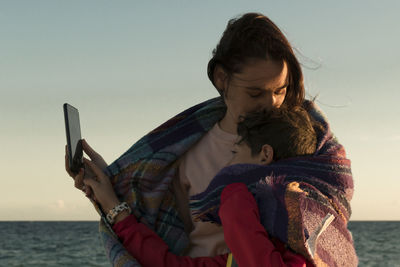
(290, 132)
(253, 35)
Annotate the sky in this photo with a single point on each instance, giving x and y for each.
(128, 66)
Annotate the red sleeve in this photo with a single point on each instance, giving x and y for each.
(150, 250)
(244, 234)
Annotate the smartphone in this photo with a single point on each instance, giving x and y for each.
(74, 142)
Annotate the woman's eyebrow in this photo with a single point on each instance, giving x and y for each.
(260, 89)
(283, 86)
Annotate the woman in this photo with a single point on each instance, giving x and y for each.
(253, 68)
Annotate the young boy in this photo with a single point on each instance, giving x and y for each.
(264, 137)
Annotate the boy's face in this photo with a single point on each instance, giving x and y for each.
(242, 154)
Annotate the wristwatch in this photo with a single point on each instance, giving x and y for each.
(117, 210)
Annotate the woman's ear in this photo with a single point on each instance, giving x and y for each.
(220, 79)
(266, 154)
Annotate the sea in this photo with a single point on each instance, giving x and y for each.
(68, 243)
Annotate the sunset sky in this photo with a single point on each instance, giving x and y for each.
(130, 65)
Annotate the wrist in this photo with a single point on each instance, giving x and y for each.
(110, 205)
(121, 216)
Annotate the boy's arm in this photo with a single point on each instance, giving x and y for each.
(244, 234)
(150, 250)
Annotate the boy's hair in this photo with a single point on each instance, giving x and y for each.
(290, 133)
(254, 35)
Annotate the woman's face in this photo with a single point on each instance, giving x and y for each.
(260, 85)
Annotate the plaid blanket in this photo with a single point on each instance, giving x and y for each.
(142, 176)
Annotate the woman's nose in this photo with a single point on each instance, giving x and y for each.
(269, 102)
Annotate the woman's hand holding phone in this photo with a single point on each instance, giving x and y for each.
(96, 158)
(101, 187)
(94, 182)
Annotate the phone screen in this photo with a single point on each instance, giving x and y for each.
(73, 132)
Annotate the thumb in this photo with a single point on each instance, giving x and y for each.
(89, 150)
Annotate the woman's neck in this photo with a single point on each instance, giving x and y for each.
(228, 125)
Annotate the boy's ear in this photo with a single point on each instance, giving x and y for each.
(220, 78)
(266, 154)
